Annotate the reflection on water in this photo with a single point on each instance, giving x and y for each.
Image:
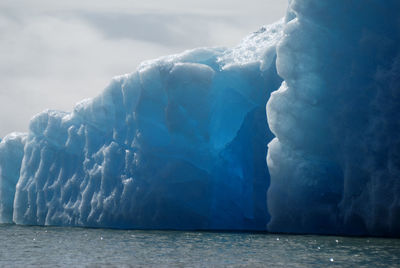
(75, 247)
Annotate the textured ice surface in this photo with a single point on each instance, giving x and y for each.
(335, 164)
(180, 143)
(11, 153)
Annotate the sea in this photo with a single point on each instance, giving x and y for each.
(32, 246)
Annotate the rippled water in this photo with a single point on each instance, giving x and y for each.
(23, 246)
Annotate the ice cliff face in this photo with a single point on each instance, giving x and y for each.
(11, 153)
(181, 143)
(335, 164)
(178, 144)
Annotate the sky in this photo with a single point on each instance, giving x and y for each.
(56, 53)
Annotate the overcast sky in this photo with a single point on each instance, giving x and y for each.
(55, 53)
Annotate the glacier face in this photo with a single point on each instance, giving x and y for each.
(178, 144)
(335, 161)
(181, 143)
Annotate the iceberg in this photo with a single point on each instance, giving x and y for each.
(185, 142)
(178, 144)
(335, 161)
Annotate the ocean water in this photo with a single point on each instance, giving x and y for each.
(29, 246)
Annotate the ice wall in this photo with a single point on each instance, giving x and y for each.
(178, 144)
(11, 153)
(335, 164)
(181, 142)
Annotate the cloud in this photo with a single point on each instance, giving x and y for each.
(48, 62)
(54, 54)
(168, 29)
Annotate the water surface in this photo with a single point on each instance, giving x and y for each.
(28, 246)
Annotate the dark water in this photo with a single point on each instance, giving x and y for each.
(79, 247)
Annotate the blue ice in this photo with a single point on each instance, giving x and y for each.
(182, 142)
